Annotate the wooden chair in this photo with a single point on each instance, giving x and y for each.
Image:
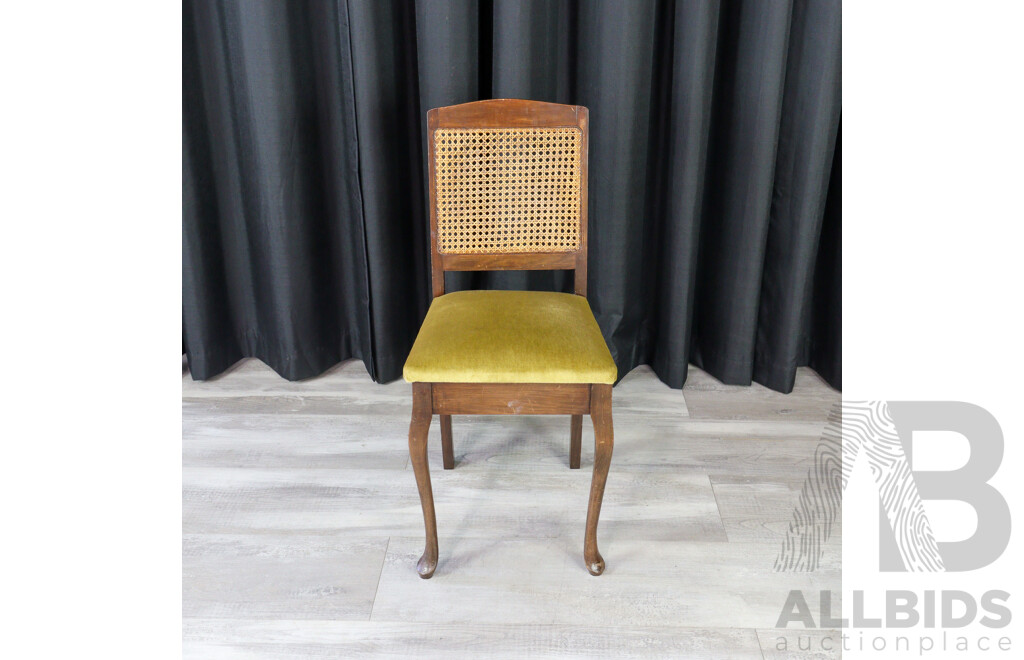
(508, 191)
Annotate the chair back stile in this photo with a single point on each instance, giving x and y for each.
(508, 188)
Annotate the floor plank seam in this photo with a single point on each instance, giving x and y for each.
(757, 640)
(718, 507)
(376, 590)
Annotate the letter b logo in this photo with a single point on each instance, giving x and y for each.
(967, 484)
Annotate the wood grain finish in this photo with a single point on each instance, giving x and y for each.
(500, 113)
(575, 441)
(510, 399)
(601, 414)
(647, 583)
(234, 638)
(512, 482)
(274, 576)
(513, 261)
(418, 430)
(448, 399)
(580, 276)
(810, 400)
(301, 528)
(447, 448)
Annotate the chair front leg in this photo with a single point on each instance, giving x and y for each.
(601, 415)
(419, 428)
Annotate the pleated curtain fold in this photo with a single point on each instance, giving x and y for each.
(715, 214)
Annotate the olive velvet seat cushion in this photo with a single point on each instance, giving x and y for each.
(510, 337)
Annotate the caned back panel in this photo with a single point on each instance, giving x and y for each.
(508, 188)
(503, 190)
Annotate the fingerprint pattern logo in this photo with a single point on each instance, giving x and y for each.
(854, 428)
(820, 506)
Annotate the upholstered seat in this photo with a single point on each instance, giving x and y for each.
(510, 337)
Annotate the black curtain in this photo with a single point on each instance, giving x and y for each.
(714, 175)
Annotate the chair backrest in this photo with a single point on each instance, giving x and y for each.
(508, 188)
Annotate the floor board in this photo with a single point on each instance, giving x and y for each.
(218, 638)
(280, 576)
(660, 583)
(301, 523)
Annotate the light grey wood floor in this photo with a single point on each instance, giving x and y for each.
(302, 524)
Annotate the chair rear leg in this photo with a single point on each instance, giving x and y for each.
(601, 415)
(447, 450)
(419, 428)
(575, 441)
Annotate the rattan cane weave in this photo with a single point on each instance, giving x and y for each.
(502, 190)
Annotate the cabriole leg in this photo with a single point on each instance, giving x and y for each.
(601, 415)
(419, 428)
